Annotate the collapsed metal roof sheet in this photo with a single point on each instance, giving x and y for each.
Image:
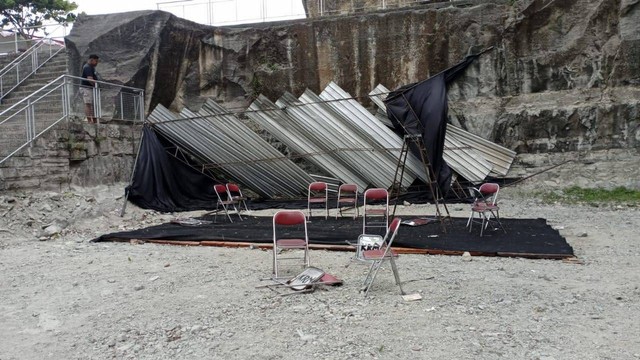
(286, 129)
(464, 160)
(499, 156)
(202, 137)
(316, 130)
(368, 158)
(379, 135)
(468, 155)
(268, 162)
(378, 95)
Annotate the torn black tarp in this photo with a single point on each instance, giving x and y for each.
(421, 109)
(164, 183)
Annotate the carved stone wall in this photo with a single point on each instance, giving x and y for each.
(563, 77)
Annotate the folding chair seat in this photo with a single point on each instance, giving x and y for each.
(287, 223)
(485, 206)
(382, 254)
(225, 201)
(375, 217)
(347, 195)
(236, 195)
(318, 194)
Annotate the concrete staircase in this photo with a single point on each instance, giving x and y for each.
(47, 110)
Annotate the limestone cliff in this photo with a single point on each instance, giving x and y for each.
(562, 79)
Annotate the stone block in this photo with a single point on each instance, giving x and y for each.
(77, 154)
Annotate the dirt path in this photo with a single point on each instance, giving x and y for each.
(67, 298)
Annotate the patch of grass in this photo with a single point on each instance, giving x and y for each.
(576, 194)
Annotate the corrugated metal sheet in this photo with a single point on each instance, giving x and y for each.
(499, 156)
(464, 160)
(468, 155)
(366, 124)
(368, 158)
(268, 162)
(200, 136)
(286, 129)
(377, 95)
(317, 131)
(210, 153)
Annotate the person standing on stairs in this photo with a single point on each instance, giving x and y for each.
(89, 77)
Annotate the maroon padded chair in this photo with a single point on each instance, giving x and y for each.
(375, 217)
(293, 222)
(318, 194)
(225, 201)
(382, 254)
(485, 206)
(347, 195)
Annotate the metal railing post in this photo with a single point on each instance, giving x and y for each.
(28, 123)
(65, 103)
(121, 104)
(96, 102)
(138, 108)
(34, 62)
(15, 39)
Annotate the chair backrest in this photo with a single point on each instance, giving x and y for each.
(376, 194)
(318, 186)
(233, 188)
(221, 191)
(348, 191)
(289, 217)
(490, 192)
(392, 231)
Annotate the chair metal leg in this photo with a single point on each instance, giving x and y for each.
(394, 268)
(275, 261)
(366, 282)
(497, 215)
(237, 211)
(377, 264)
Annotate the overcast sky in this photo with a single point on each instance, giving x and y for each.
(217, 12)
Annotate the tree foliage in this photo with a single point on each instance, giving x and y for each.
(25, 15)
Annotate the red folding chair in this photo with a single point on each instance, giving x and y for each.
(295, 222)
(225, 201)
(318, 194)
(375, 217)
(382, 254)
(485, 205)
(347, 195)
(236, 195)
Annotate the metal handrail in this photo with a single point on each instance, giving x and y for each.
(65, 83)
(47, 36)
(30, 97)
(32, 55)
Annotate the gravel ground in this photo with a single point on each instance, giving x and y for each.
(62, 297)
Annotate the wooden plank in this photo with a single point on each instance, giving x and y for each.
(347, 248)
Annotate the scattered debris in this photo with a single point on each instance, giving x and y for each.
(466, 256)
(412, 297)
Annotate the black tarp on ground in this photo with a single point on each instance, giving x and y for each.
(421, 109)
(164, 183)
(527, 237)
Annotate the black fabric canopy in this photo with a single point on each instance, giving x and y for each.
(421, 109)
(164, 183)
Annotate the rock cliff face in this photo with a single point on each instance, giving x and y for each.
(562, 79)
